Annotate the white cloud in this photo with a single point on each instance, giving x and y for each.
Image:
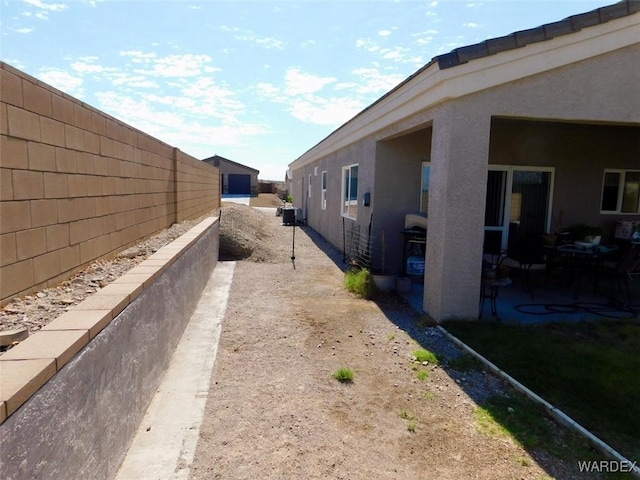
(269, 91)
(372, 81)
(424, 38)
(24, 30)
(84, 67)
(138, 56)
(156, 116)
(470, 25)
(297, 82)
(52, 7)
(367, 45)
(433, 4)
(186, 65)
(325, 111)
(62, 80)
(384, 33)
(248, 36)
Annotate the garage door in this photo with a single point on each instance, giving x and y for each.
(240, 184)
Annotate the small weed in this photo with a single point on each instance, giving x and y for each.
(429, 395)
(360, 282)
(391, 336)
(405, 415)
(411, 426)
(423, 374)
(525, 462)
(421, 355)
(343, 375)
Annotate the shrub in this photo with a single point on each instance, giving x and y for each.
(360, 282)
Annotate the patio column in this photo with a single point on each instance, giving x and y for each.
(457, 191)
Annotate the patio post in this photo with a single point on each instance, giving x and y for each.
(457, 190)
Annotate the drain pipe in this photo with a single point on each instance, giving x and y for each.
(556, 413)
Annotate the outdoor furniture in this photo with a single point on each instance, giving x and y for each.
(619, 271)
(578, 260)
(489, 289)
(523, 258)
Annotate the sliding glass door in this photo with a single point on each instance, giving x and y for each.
(518, 205)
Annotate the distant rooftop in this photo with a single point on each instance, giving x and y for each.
(216, 159)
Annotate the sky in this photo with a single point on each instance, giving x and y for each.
(258, 82)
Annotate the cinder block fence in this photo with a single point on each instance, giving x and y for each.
(78, 185)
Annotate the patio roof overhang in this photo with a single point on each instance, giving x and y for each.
(433, 85)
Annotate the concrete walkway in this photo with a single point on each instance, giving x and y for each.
(165, 444)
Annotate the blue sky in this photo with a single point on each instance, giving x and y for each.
(258, 82)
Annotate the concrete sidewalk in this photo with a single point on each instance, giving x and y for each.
(165, 443)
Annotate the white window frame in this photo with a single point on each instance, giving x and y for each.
(309, 189)
(323, 198)
(345, 201)
(621, 182)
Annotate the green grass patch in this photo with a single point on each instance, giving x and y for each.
(360, 282)
(588, 370)
(422, 374)
(526, 423)
(343, 375)
(423, 355)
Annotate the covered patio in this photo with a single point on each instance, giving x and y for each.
(553, 301)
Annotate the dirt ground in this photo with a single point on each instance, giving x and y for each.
(274, 411)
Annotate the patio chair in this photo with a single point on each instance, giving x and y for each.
(618, 272)
(524, 257)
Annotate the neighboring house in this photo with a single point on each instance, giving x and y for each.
(522, 134)
(236, 179)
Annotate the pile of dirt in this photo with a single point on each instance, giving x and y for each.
(246, 233)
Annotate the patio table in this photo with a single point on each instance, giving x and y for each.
(577, 260)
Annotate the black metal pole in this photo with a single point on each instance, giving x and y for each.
(293, 243)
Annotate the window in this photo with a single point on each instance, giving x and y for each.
(350, 191)
(309, 190)
(424, 197)
(620, 191)
(323, 201)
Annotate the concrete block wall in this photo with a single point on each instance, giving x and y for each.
(77, 185)
(73, 394)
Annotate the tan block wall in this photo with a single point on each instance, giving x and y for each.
(77, 185)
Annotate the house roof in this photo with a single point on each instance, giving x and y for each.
(219, 158)
(464, 55)
(542, 33)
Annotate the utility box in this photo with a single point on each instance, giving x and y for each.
(289, 216)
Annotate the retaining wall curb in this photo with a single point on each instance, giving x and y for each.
(72, 395)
